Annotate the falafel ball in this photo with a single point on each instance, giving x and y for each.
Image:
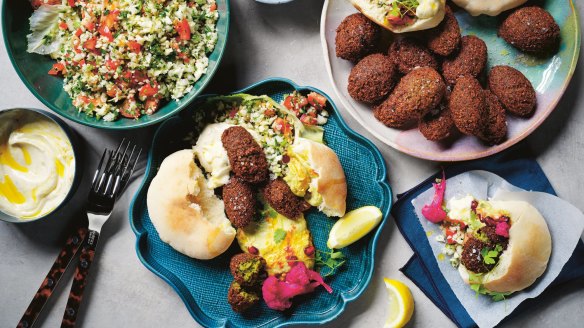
(415, 95)
(356, 37)
(408, 53)
(444, 39)
(494, 239)
(247, 158)
(240, 298)
(240, 203)
(471, 256)
(281, 198)
(470, 60)
(495, 131)
(532, 30)
(438, 124)
(372, 79)
(467, 105)
(513, 90)
(248, 270)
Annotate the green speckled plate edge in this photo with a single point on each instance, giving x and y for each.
(182, 290)
(223, 6)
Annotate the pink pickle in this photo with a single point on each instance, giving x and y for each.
(278, 294)
(434, 212)
(502, 229)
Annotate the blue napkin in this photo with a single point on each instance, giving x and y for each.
(422, 268)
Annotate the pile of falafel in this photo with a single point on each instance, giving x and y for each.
(435, 79)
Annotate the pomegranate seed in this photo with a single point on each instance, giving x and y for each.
(253, 250)
(309, 250)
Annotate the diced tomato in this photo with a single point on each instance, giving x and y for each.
(63, 25)
(269, 112)
(183, 56)
(302, 101)
(114, 91)
(139, 77)
(90, 44)
(134, 47)
(450, 236)
(107, 23)
(90, 26)
(308, 120)
(78, 32)
(183, 29)
(58, 68)
(288, 102)
(37, 3)
(213, 6)
(151, 105)
(127, 111)
(399, 21)
(281, 125)
(112, 65)
(316, 100)
(148, 91)
(71, 3)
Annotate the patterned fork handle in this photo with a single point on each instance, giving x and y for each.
(80, 280)
(48, 285)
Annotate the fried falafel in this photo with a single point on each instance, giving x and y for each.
(415, 95)
(248, 270)
(495, 131)
(471, 256)
(444, 39)
(467, 105)
(240, 298)
(356, 37)
(438, 124)
(372, 79)
(281, 198)
(247, 158)
(470, 60)
(408, 54)
(513, 90)
(240, 203)
(532, 30)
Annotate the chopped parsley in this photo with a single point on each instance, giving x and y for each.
(490, 255)
(331, 259)
(279, 235)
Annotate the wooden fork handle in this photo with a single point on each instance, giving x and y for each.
(80, 280)
(48, 285)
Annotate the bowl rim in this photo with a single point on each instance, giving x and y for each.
(77, 174)
(339, 308)
(138, 124)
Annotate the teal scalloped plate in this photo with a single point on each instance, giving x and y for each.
(203, 285)
(32, 70)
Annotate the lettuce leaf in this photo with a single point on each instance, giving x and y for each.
(43, 22)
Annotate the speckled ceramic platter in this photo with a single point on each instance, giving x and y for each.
(549, 76)
(203, 285)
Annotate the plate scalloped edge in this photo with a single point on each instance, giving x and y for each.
(488, 152)
(192, 306)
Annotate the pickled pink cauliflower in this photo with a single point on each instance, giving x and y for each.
(434, 211)
(300, 280)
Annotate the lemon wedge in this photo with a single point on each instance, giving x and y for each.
(401, 303)
(353, 226)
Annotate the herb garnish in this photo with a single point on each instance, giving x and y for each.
(489, 255)
(477, 286)
(279, 235)
(331, 259)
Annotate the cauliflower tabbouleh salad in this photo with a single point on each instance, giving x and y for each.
(125, 56)
(274, 124)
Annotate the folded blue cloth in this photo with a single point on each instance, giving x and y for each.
(422, 268)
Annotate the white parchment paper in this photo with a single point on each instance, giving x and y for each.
(564, 221)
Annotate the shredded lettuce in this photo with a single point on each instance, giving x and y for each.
(475, 280)
(43, 23)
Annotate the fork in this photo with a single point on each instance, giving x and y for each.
(108, 183)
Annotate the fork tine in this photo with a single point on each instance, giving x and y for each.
(127, 172)
(98, 186)
(98, 169)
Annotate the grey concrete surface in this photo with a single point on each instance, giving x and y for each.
(265, 41)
